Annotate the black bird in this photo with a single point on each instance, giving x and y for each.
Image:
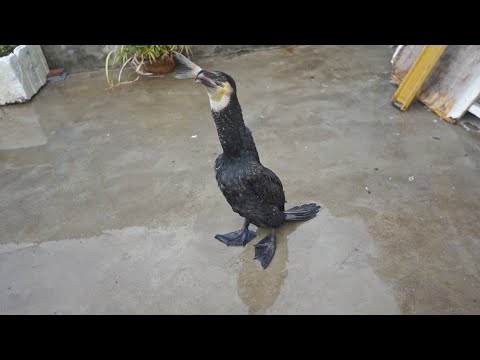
(252, 190)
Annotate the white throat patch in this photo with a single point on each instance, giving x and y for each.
(220, 97)
(219, 103)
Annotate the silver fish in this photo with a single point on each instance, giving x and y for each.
(193, 69)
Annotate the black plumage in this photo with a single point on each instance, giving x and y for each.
(252, 190)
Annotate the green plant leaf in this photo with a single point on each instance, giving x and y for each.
(125, 54)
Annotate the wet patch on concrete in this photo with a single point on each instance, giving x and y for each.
(180, 271)
(20, 129)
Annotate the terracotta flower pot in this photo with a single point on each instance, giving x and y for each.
(160, 66)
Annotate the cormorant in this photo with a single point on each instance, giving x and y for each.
(252, 190)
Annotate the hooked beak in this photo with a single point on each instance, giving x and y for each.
(206, 78)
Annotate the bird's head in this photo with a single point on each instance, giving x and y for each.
(220, 88)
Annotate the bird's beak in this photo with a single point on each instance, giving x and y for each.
(206, 78)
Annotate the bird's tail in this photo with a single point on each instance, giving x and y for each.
(302, 212)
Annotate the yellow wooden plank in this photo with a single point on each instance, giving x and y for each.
(416, 76)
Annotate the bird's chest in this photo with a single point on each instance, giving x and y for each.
(231, 180)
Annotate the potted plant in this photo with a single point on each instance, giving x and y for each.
(145, 59)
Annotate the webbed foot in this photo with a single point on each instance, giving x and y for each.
(265, 250)
(237, 238)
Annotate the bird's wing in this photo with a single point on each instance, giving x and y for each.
(266, 184)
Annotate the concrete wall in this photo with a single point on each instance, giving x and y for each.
(75, 58)
(79, 58)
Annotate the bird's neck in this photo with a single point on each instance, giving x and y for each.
(235, 138)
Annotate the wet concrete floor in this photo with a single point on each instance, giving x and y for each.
(109, 205)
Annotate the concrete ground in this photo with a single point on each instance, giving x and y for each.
(109, 205)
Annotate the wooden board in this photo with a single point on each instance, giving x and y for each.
(416, 76)
(454, 83)
(475, 109)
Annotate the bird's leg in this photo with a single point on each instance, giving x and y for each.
(238, 238)
(265, 249)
